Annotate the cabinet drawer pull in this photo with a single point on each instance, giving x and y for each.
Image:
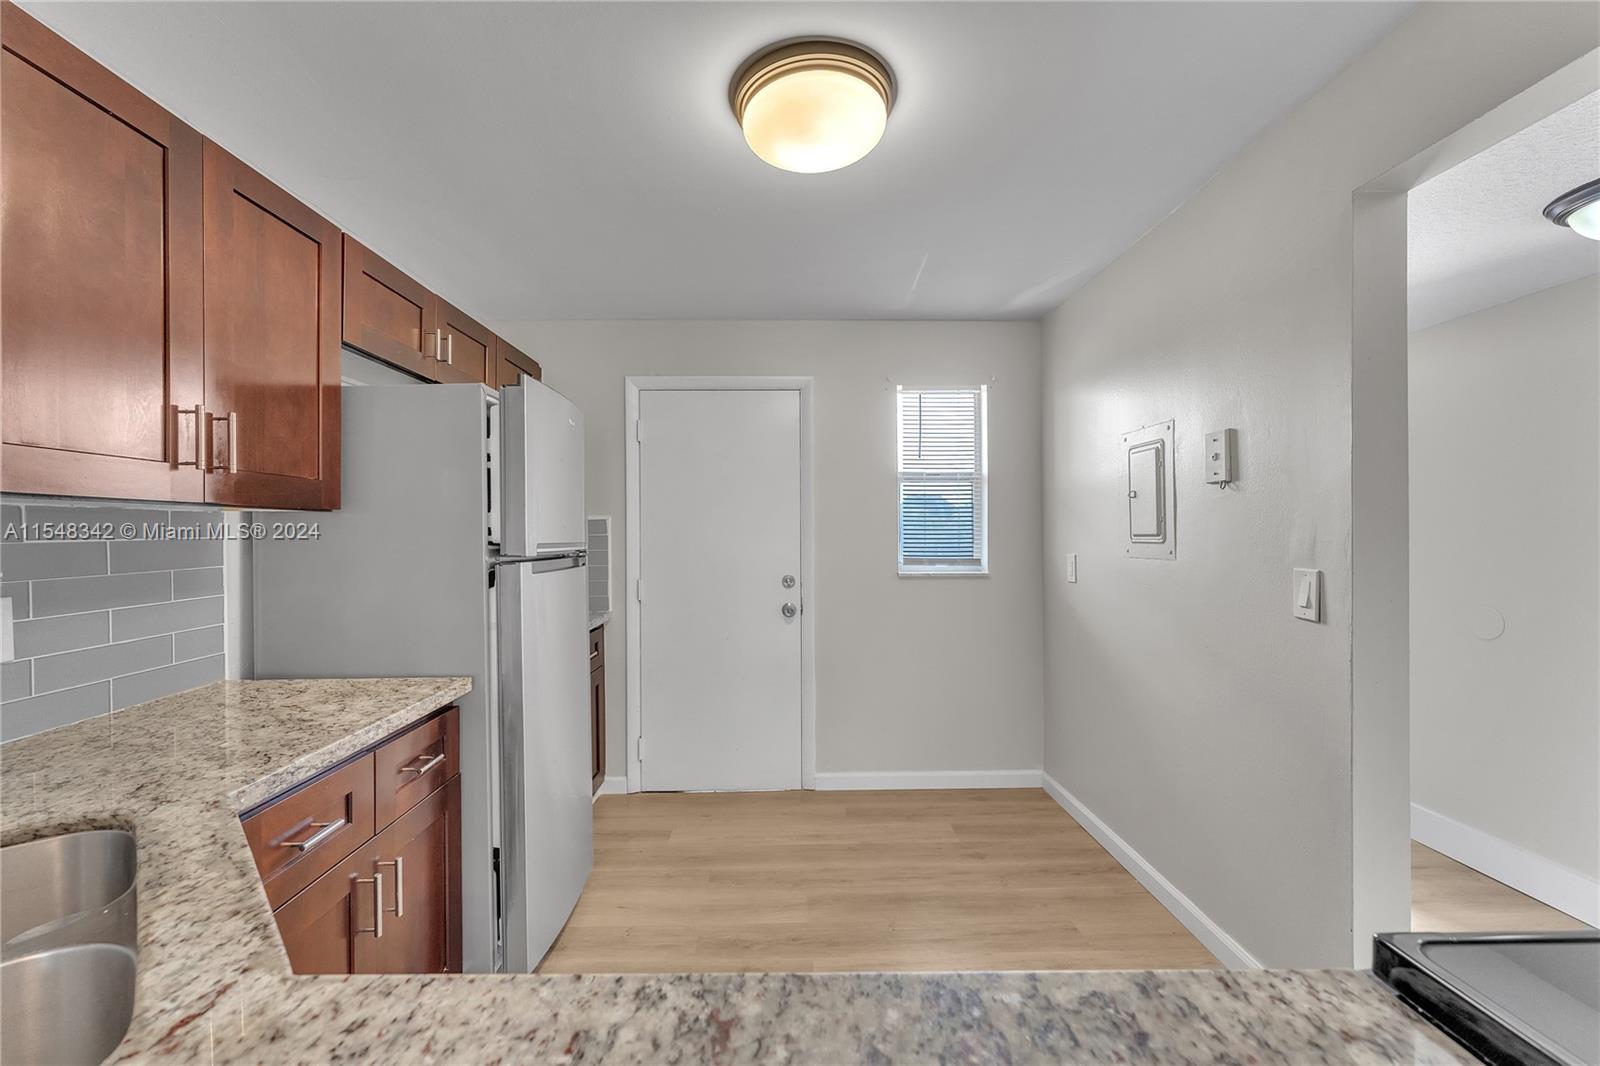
(399, 865)
(376, 881)
(324, 832)
(428, 764)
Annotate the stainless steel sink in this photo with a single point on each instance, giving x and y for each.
(68, 1005)
(68, 933)
(77, 888)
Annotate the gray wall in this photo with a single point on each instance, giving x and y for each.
(1184, 706)
(1505, 732)
(912, 673)
(107, 622)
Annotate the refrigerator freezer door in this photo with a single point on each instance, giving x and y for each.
(542, 446)
(546, 816)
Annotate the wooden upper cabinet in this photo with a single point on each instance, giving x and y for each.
(510, 365)
(387, 315)
(101, 301)
(466, 347)
(272, 325)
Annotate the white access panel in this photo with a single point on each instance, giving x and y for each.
(720, 660)
(1151, 499)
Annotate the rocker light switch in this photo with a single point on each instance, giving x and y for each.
(1308, 594)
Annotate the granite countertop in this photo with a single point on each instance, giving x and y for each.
(215, 985)
(598, 619)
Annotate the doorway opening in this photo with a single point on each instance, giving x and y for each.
(1475, 562)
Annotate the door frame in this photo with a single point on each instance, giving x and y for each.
(1380, 501)
(633, 386)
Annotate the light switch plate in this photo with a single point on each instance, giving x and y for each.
(1072, 567)
(1308, 594)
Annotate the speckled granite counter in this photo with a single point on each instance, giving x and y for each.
(214, 983)
(598, 619)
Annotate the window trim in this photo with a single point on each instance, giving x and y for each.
(980, 482)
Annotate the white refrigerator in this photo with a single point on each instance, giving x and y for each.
(458, 550)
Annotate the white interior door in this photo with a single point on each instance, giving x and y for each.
(719, 531)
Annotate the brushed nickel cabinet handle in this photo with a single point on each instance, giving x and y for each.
(177, 430)
(209, 448)
(233, 442)
(450, 349)
(438, 345)
(324, 831)
(399, 865)
(376, 881)
(428, 764)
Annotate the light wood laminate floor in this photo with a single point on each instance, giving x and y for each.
(817, 881)
(1447, 897)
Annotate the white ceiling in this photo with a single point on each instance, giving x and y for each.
(579, 160)
(1476, 235)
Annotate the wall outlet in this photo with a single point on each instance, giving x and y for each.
(1072, 567)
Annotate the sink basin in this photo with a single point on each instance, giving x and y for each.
(69, 1005)
(76, 888)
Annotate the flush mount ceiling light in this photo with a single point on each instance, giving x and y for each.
(1578, 210)
(812, 105)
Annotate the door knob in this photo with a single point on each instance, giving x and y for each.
(790, 610)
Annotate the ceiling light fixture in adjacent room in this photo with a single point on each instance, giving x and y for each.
(814, 104)
(1578, 210)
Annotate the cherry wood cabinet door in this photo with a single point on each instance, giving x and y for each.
(419, 856)
(465, 346)
(101, 301)
(388, 315)
(597, 727)
(272, 326)
(510, 364)
(332, 926)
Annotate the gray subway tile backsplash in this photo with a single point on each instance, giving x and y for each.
(16, 680)
(130, 623)
(22, 717)
(187, 584)
(196, 643)
(70, 595)
(131, 556)
(67, 632)
(136, 688)
(72, 668)
(108, 522)
(105, 623)
(30, 562)
(17, 592)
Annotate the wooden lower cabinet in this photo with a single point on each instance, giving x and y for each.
(597, 707)
(393, 905)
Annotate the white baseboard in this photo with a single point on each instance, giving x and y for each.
(613, 785)
(1551, 883)
(1216, 939)
(891, 779)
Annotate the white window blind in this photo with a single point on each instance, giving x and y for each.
(943, 481)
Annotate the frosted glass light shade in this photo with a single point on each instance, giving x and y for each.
(1578, 210)
(812, 106)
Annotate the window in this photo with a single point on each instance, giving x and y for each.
(944, 482)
